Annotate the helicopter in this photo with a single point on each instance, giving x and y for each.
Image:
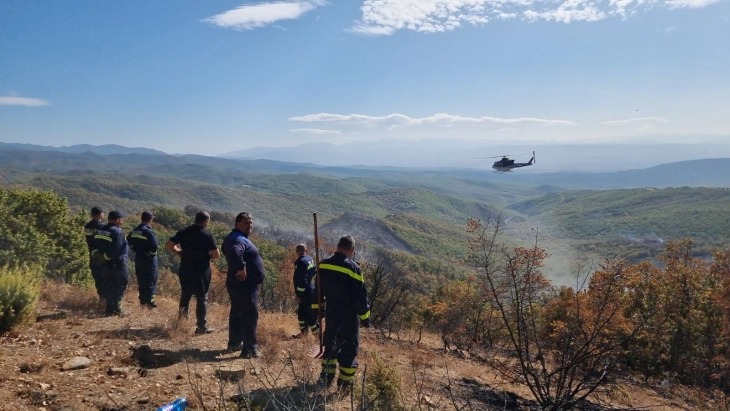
(507, 164)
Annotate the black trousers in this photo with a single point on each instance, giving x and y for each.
(195, 285)
(115, 278)
(244, 316)
(341, 342)
(146, 270)
(97, 273)
(306, 316)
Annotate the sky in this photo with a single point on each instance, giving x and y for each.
(211, 77)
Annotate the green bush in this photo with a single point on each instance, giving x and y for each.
(19, 293)
(37, 229)
(383, 389)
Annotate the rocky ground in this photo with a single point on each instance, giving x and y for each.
(73, 358)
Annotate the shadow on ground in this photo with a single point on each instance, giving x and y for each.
(148, 357)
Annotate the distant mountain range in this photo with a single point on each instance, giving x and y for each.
(707, 172)
(82, 148)
(455, 153)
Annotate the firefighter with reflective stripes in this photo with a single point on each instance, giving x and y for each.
(143, 241)
(344, 292)
(304, 272)
(97, 214)
(110, 249)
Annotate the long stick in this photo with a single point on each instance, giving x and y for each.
(319, 290)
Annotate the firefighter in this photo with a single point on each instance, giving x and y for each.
(143, 241)
(344, 292)
(111, 247)
(304, 272)
(97, 214)
(245, 273)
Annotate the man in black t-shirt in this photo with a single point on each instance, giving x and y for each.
(196, 246)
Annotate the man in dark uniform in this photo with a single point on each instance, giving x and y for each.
(245, 273)
(111, 246)
(143, 241)
(304, 272)
(196, 246)
(344, 292)
(97, 214)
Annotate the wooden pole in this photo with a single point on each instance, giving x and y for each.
(319, 289)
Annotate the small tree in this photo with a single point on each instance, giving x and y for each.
(37, 228)
(461, 315)
(19, 293)
(562, 344)
(687, 335)
(390, 292)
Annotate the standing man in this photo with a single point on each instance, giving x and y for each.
(343, 290)
(143, 242)
(196, 246)
(245, 273)
(304, 272)
(110, 246)
(97, 214)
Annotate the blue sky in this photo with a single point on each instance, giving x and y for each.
(210, 77)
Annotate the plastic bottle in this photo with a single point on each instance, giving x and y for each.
(179, 404)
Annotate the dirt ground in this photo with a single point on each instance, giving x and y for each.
(149, 358)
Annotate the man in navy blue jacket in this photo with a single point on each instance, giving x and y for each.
(304, 272)
(245, 273)
(97, 214)
(143, 241)
(343, 290)
(110, 242)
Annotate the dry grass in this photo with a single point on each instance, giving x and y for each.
(168, 284)
(67, 297)
(420, 376)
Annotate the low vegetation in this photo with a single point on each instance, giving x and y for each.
(19, 294)
(657, 310)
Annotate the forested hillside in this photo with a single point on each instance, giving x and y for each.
(462, 258)
(419, 211)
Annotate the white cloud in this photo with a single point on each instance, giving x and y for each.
(385, 17)
(22, 101)
(635, 121)
(569, 11)
(692, 4)
(248, 17)
(390, 122)
(317, 131)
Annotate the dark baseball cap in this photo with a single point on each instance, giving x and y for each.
(96, 210)
(114, 214)
(146, 215)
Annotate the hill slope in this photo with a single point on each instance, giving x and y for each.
(149, 358)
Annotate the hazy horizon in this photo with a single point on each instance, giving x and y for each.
(434, 154)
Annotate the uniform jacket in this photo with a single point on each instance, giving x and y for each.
(143, 241)
(110, 241)
(240, 252)
(343, 287)
(304, 272)
(90, 231)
